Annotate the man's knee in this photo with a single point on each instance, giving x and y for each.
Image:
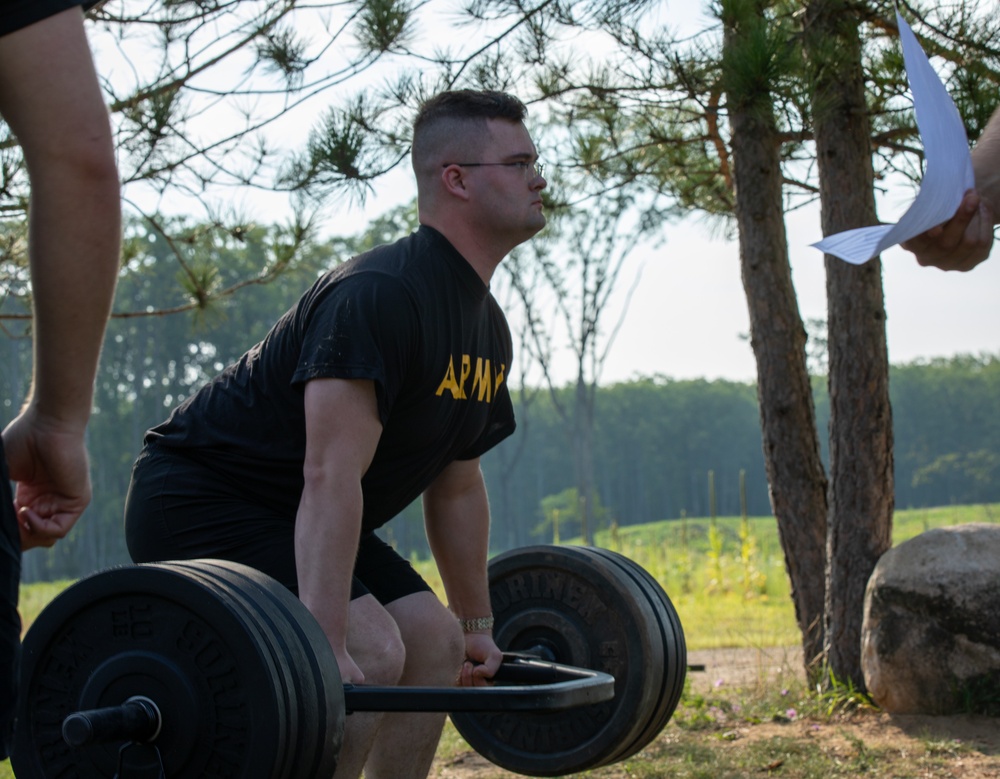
(375, 643)
(90, 156)
(385, 666)
(435, 646)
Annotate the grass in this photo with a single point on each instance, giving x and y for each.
(771, 730)
(728, 583)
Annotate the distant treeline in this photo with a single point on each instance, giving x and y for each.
(656, 440)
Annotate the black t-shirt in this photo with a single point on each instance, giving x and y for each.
(17, 14)
(415, 318)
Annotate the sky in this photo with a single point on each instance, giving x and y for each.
(686, 316)
(689, 312)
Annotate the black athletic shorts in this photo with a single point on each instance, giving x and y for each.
(10, 622)
(17, 14)
(178, 509)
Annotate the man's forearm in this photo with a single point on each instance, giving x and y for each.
(51, 98)
(327, 529)
(986, 164)
(74, 275)
(458, 528)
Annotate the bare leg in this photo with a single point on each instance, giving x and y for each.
(375, 644)
(434, 652)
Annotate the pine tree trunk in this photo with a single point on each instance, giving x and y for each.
(861, 459)
(787, 416)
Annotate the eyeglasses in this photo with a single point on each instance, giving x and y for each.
(531, 170)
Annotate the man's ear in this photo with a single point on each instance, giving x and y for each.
(453, 181)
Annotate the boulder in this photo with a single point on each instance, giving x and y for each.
(930, 641)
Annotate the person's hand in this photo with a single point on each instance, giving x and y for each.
(482, 659)
(962, 242)
(350, 673)
(49, 463)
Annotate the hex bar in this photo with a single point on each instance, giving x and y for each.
(529, 685)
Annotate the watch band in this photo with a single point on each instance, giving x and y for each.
(477, 625)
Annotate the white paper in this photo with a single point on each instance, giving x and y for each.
(948, 173)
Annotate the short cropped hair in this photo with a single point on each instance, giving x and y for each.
(457, 119)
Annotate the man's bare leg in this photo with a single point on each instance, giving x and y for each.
(406, 742)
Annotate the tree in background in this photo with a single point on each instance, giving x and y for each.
(572, 270)
(942, 458)
(563, 517)
(859, 524)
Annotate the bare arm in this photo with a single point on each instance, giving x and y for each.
(966, 239)
(50, 97)
(457, 518)
(342, 432)
(986, 164)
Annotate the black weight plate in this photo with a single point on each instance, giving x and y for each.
(319, 674)
(316, 694)
(656, 661)
(580, 610)
(674, 649)
(310, 674)
(286, 721)
(675, 646)
(153, 631)
(264, 632)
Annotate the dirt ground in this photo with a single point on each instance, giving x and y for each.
(743, 667)
(976, 740)
(968, 745)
